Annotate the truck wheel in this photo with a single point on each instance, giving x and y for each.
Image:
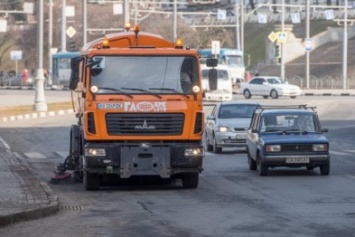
(325, 169)
(247, 94)
(262, 169)
(274, 94)
(216, 149)
(190, 180)
(91, 181)
(251, 162)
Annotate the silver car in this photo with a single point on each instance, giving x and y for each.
(227, 125)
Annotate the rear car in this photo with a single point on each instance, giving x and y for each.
(227, 125)
(275, 139)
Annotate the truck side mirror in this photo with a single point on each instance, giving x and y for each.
(74, 75)
(212, 79)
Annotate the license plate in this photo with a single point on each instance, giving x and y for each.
(241, 136)
(292, 160)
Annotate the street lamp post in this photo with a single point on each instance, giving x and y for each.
(40, 103)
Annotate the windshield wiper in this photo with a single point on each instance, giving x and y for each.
(142, 90)
(117, 90)
(169, 89)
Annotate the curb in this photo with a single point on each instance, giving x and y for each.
(36, 115)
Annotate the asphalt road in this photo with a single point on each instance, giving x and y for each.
(230, 200)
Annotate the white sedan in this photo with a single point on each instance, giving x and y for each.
(268, 86)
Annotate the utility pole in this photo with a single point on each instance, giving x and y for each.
(345, 45)
(50, 42)
(84, 21)
(282, 44)
(64, 24)
(307, 37)
(40, 103)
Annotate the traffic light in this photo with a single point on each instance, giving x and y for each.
(72, 45)
(278, 54)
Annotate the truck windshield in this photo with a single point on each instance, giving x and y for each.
(141, 73)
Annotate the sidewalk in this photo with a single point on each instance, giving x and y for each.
(23, 196)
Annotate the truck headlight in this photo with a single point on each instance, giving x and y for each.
(273, 148)
(198, 151)
(95, 152)
(320, 147)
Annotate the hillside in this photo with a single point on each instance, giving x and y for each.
(326, 67)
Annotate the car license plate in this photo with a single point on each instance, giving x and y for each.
(241, 136)
(296, 159)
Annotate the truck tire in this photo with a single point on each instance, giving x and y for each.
(190, 180)
(324, 169)
(262, 169)
(91, 181)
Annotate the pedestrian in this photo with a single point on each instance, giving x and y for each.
(25, 76)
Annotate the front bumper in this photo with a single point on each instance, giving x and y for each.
(138, 159)
(231, 139)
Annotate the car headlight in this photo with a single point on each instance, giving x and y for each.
(320, 147)
(273, 148)
(223, 129)
(95, 152)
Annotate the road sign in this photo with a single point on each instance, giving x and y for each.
(71, 32)
(281, 37)
(16, 55)
(272, 36)
(215, 47)
(308, 44)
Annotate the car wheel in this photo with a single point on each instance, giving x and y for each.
(274, 94)
(215, 148)
(324, 169)
(265, 96)
(251, 162)
(293, 97)
(209, 147)
(247, 94)
(262, 169)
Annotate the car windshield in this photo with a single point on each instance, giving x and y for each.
(285, 122)
(237, 111)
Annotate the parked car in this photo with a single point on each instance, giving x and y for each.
(268, 86)
(289, 136)
(16, 81)
(227, 125)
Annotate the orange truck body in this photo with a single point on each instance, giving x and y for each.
(135, 118)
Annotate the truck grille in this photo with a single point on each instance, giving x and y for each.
(144, 124)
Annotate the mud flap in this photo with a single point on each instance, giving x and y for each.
(145, 161)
